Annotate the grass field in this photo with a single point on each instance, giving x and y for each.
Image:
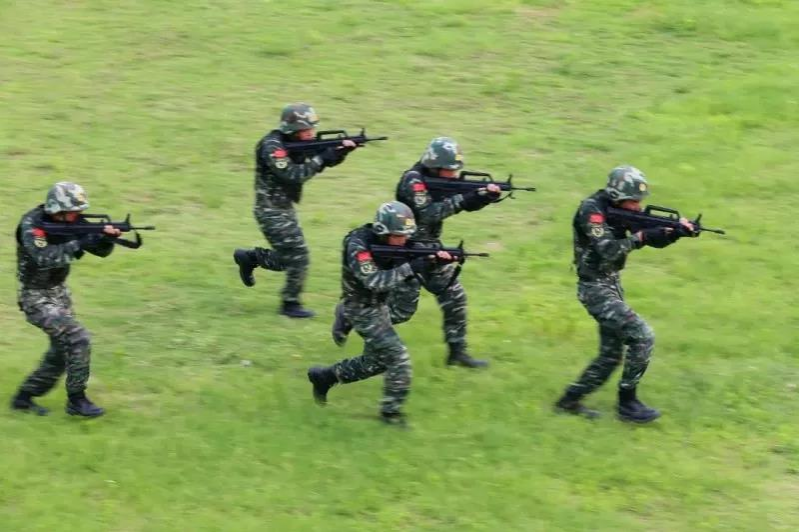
(155, 107)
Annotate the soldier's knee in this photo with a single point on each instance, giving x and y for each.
(610, 360)
(402, 313)
(401, 362)
(457, 293)
(645, 335)
(641, 341)
(79, 340)
(296, 257)
(304, 257)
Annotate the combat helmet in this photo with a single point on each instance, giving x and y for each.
(297, 116)
(394, 218)
(443, 152)
(65, 197)
(627, 182)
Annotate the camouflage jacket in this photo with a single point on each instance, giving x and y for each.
(429, 214)
(599, 249)
(43, 260)
(364, 279)
(279, 176)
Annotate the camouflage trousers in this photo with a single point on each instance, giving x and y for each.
(383, 352)
(451, 299)
(619, 328)
(51, 310)
(289, 252)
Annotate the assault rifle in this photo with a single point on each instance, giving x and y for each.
(333, 138)
(407, 253)
(442, 187)
(94, 224)
(638, 220)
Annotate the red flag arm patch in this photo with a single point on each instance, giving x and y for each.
(280, 152)
(419, 187)
(37, 232)
(363, 256)
(596, 218)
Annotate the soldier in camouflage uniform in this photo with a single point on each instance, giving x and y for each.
(367, 284)
(600, 252)
(43, 263)
(442, 158)
(279, 177)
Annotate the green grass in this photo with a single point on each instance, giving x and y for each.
(155, 107)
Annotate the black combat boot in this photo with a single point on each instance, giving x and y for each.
(395, 419)
(322, 379)
(23, 402)
(247, 261)
(459, 357)
(571, 404)
(80, 405)
(294, 309)
(632, 410)
(341, 327)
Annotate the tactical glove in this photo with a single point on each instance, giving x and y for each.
(492, 196)
(473, 201)
(332, 157)
(657, 237)
(91, 241)
(421, 264)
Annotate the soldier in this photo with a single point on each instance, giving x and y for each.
(279, 176)
(366, 286)
(43, 263)
(600, 252)
(443, 158)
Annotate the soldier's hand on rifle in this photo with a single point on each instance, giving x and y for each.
(110, 230)
(687, 228)
(347, 144)
(444, 256)
(492, 191)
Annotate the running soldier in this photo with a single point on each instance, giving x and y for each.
(600, 253)
(279, 177)
(443, 158)
(367, 285)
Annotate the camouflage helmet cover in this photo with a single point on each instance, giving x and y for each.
(65, 197)
(394, 218)
(627, 182)
(443, 152)
(297, 116)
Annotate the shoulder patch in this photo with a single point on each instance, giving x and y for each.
(280, 152)
(419, 187)
(596, 218)
(38, 232)
(365, 262)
